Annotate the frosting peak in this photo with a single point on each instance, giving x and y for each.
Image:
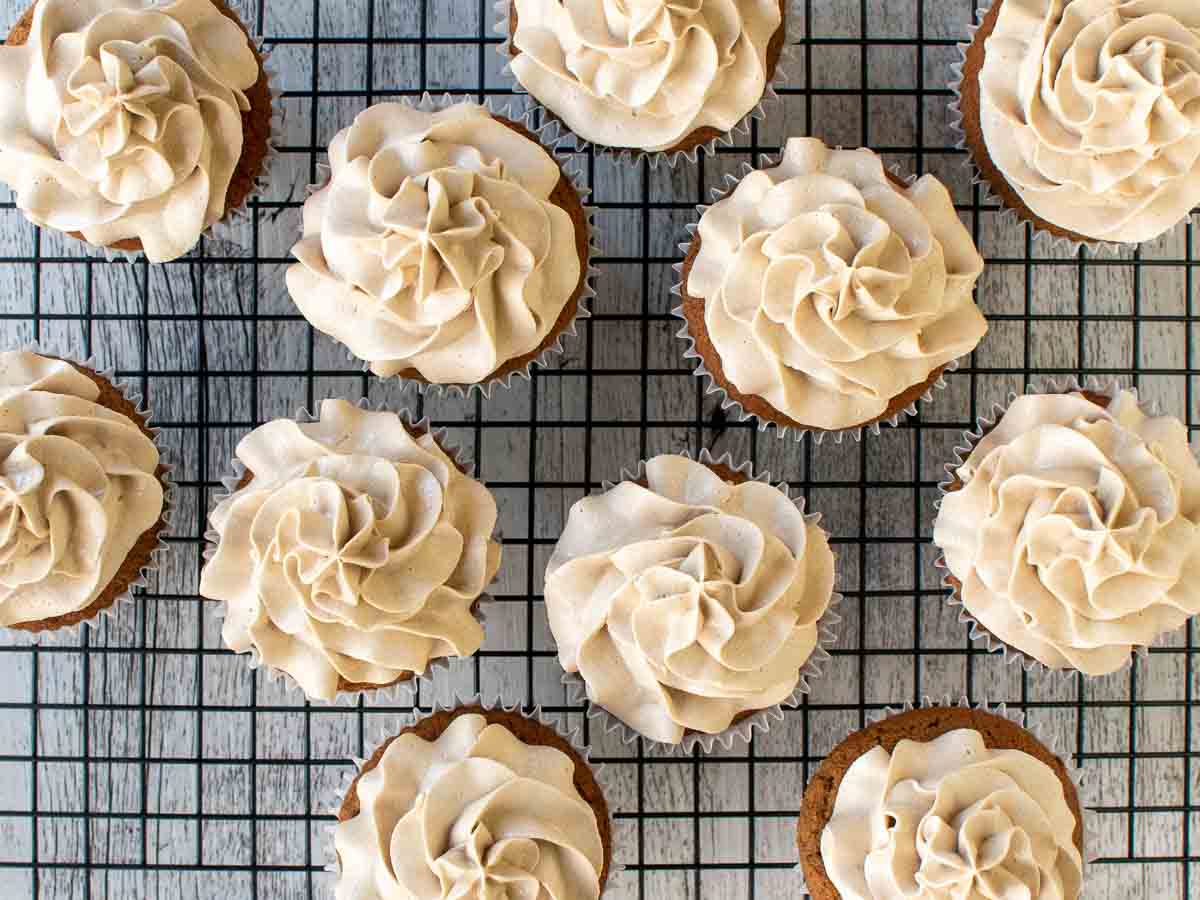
(951, 819)
(688, 601)
(1091, 111)
(474, 815)
(828, 290)
(645, 73)
(78, 487)
(122, 119)
(435, 245)
(1076, 531)
(355, 552)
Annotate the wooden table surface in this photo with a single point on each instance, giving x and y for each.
(165, 768)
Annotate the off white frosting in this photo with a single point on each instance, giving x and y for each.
(688, 601)
(1091, 111)
(122, 119)
(434, 246)
(78, 487)
(951, 819)
(1076, 532)
(356, 550)
(475, 815)
(644, 73)
(829, 290)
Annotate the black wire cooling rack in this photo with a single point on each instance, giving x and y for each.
(141, 759)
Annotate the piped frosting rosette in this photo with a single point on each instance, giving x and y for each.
(123, 119)
(447, 246)
(691, 601)
(661, 77)
(1071, 529)
(353, 553)
(82, 487)
(472, 801)
(821, 295)
(1088, 111)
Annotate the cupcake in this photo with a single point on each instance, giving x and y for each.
(941, 802)
(822, 294)
(82, 493)
(352, 553)
(448, 246)
(1071, 529)
(134, 125)
(1081, 115)
(691, 600)
(652, 77)
(474, 802)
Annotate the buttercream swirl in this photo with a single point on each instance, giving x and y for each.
(474, 815)
(645, 73)
(435, 246)
(122, 119)
(78, 487)
(951, 819)
(688, 601)
(1076, 530)
(354, 553)
(1091, 111)
(828, 290)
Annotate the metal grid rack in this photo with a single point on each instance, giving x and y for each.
(143, 759)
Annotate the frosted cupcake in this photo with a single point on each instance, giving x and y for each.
(822, 294)
(353, 552)
(132, 124)
(1083, 116)
(474, 802)
(652, 76)
(942, 803)
(1071, 530)
(689, 600)
(81, 493)
(448, 246)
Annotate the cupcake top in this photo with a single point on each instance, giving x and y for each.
(1090, 109)
(951, 818)
(828, 290)
(689, 600)
(78, 487)
(472, 815)
(354, 554)
(436, 246)
(645, 73)
(1075, 532)
(123, 119)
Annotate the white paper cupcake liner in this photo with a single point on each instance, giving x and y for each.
(734, 407)
(228, 229)
(1057, 243)
(395, 694)
(388, 727)
(978, 633)
(1084, 789)
(740, 129)
(760, 720)
(549, 137)
(69, 635)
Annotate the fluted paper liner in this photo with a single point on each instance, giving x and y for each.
(1049, 385)
(389, 727)
(740, 129)
(1079, 779)
(406, 688)
(68, 635)
(759, 720)
(731, 405)
(549, 138)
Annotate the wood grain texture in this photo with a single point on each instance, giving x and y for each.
(149, 715)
